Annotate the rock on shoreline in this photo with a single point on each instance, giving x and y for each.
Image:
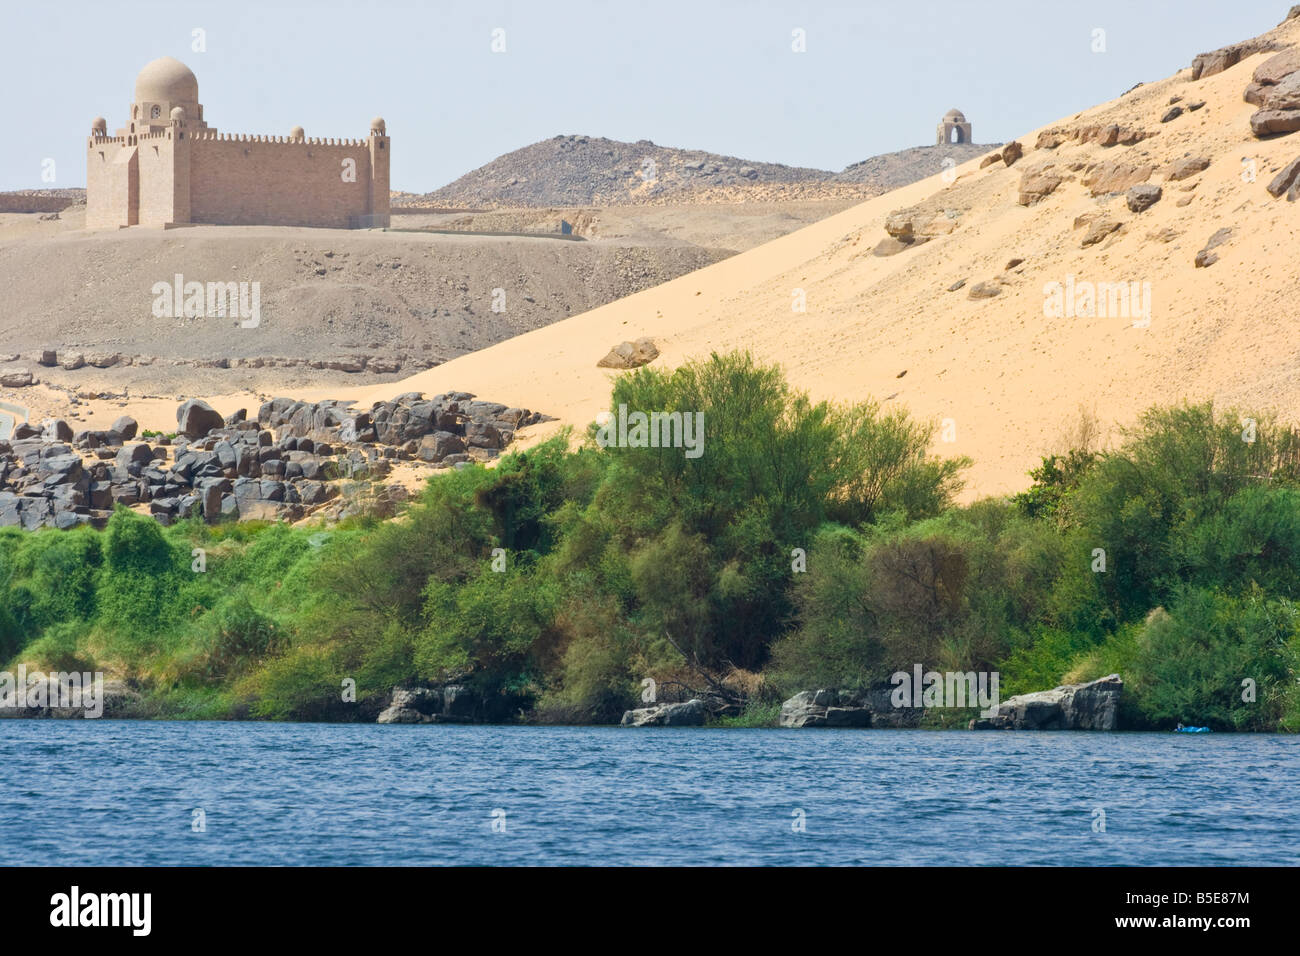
(1091, 706)
(452, 704)
(689, 714)
(847, 708)
(118, 701)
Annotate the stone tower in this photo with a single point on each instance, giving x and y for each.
(953, 128)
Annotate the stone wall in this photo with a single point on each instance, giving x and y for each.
(254, 182)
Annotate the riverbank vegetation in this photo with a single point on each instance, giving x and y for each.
(809, 545)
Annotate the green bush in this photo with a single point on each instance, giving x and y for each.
(1191, 662)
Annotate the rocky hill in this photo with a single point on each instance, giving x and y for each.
(894, 170)
(585, 170)
(40, 200)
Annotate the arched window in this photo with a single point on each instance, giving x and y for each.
(155, 112)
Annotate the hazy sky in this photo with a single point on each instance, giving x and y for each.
(705, 74)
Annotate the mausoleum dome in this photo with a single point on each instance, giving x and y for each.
(954, 116)
(166, 80)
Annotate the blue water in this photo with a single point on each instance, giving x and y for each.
(124, 792)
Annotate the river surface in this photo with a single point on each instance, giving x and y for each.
(126, 792)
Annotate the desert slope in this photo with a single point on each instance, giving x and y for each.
(1008, 376)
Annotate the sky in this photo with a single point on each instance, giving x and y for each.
(718, 75)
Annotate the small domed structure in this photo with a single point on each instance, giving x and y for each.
(377, 125)
(953, 128)
(99, 125)
(166, 80)
(297, 134)
(177, 115)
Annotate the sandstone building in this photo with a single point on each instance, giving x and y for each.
(953, 128)
(168, 167)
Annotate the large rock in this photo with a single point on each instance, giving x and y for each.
(126, 426)
(1287, 179)
(689, 714)
(823, 708)
(17, 378)
(630, 354)
(195, 418)
(1108, 177)
(1186, 167)
(1091, 706)
(1036, 184)
(1142, 197)
(1277, 68)
(1285, 95)
(449, 704)
(1271, 122)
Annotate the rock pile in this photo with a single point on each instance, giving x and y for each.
(847, 708)
(283, 464)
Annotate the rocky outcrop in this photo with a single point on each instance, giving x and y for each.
(1099, 230)
(1103, 134)
(1185, 168)
(1224, 58)
(1272, 122)
(872, 707)
(1207, 256)
(1037, 183)
(688, 714)
(1287, 181)
(43, 697)
(449, 704)
(919, 224)
(284, 465)
(1106, 178)
(1091, 706)
(627, 355)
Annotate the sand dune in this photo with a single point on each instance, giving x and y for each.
(1009, 377)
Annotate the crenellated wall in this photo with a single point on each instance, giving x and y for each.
(261, 180)
(181, 175)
